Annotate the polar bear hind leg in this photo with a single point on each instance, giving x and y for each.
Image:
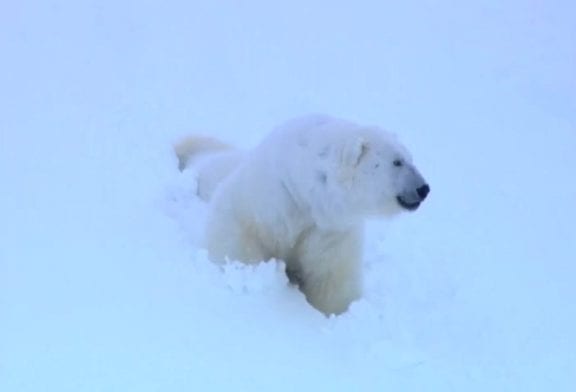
(229, 239)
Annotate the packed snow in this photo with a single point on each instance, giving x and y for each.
(104, 285)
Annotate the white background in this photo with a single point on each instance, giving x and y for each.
(102, 285)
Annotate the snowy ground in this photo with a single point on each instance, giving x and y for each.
(102, 286)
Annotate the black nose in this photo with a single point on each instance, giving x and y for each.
(423, 191)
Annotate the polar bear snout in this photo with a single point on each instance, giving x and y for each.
(423, 191)
(411, 199)
(413, 188)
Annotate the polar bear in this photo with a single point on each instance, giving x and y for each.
(302, 196)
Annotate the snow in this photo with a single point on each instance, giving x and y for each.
(103, 285)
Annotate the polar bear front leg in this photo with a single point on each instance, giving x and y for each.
(329, 264)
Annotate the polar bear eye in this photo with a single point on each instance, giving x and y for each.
(397, 162)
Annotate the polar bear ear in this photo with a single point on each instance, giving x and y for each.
(354, 152)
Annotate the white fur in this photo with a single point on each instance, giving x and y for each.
(212, 160)
(302, 196)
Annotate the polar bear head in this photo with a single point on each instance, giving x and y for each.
(380, 175)
(361, 171)
(342, 171)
